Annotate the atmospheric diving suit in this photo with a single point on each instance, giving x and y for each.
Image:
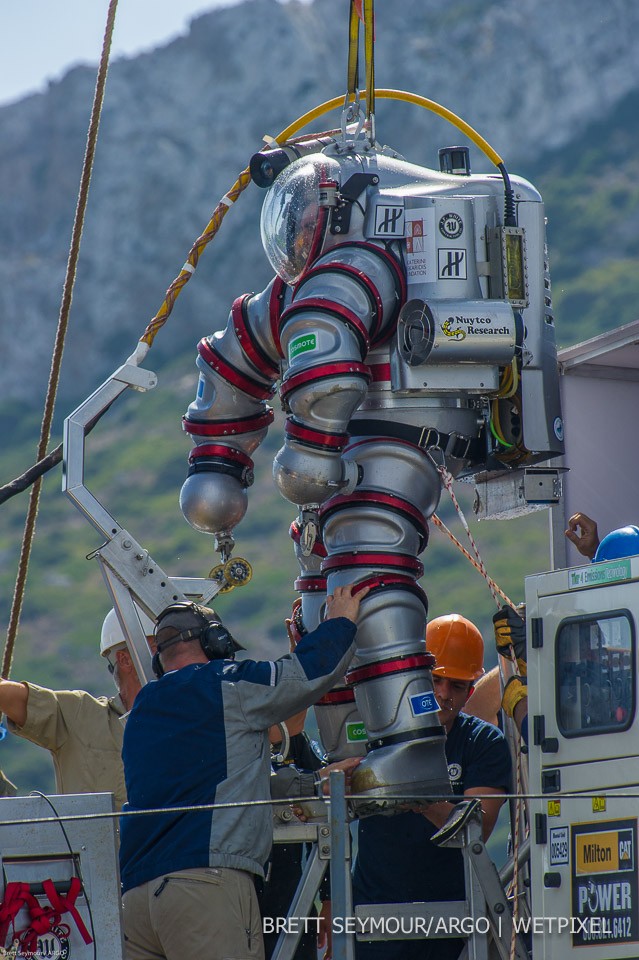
(410, 328)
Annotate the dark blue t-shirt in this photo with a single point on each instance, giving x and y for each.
(396, 862)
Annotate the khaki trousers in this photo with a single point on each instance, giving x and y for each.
(210, 913)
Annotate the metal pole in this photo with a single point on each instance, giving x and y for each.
(341, 884)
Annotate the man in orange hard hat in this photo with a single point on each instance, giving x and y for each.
(458, 648)
(396, 861)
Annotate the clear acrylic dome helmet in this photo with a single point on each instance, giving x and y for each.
(291, 221)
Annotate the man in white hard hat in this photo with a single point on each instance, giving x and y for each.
(83, 733)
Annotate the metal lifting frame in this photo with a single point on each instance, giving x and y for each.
(485, 896)
(129, 571)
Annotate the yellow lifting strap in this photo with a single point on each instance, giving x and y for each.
(361, 10)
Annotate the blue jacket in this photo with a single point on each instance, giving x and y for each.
(199, 736)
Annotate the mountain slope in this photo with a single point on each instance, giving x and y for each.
(180, 123)
(178, 126)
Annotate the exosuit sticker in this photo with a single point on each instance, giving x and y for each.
(604, 882)
(421, 703)
(389, 220)
(421, 252)
(451, 263)
(302, 344)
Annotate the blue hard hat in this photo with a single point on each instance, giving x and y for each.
(623, 542)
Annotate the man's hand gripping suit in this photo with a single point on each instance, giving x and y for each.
(398, 348)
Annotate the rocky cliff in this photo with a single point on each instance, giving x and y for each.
(180, 123)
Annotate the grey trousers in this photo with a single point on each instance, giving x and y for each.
(207, 912)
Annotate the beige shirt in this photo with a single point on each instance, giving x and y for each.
(83, 734)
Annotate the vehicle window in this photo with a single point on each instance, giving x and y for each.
(595, 674)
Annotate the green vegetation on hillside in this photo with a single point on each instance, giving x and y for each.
(136, 463)
(591, 192)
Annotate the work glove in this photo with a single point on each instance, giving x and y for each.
(515, 690)
(510, 631)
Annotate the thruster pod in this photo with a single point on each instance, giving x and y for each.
(410, 324)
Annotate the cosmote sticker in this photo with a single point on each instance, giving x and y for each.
(302, 344)
(355, 732)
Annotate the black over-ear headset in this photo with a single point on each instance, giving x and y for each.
(215, 640)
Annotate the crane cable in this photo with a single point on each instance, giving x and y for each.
(361, 10)
(447, 481)
(63, 322)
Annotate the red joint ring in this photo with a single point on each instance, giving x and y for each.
(382, 581)
(385, 501)
(380, 372)
(310, 584)
(417, 661)
(335, 309)
(335, 697)
(219, 450)
(361, 559)
(246, 339)
(342, 368)
(400, 285)
(247, 384)
(296, 431)
(224, 428)
(360, 278)
(377, 499)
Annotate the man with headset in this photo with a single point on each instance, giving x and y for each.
(199, 736)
